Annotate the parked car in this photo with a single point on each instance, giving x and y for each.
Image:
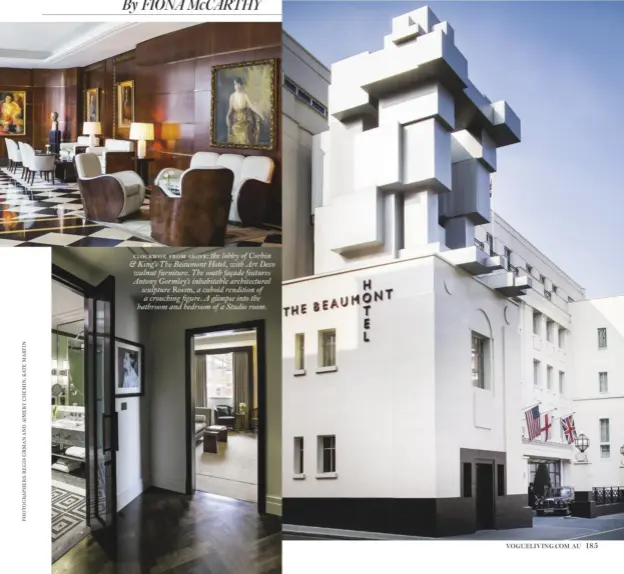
(557, 501)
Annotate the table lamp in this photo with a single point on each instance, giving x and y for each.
(92, 129)
(141, 133)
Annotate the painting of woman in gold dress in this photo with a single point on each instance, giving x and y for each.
(243, 105)
(12, 113)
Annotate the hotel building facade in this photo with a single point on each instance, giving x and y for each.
(419, 326)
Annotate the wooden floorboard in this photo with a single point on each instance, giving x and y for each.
(161, 532)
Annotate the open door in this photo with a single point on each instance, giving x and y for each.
(102, 441)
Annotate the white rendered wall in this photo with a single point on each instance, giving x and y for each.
(591, 405)
(411, 380)
(299, 123)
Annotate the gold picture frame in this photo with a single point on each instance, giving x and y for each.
(92, 105)
(125, 104)
(12, 113)
(244, 105)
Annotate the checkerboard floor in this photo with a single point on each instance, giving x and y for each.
(55, 217)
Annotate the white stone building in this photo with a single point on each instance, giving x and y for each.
(429, 325)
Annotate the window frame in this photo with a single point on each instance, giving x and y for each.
(323, 362)
(549, 377)
(601, 330)
(300, 353)
(482, 381)
(606, 381)
(322, 449)
(299, 457)
(537, 377)
(562, 381)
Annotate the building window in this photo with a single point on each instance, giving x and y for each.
(605, 451)
(508, 257)
(299, 352)
(570, 300)
(290, 86)
(555, 288)
(542, 278)
(604, 430)
(547, 295)
(561, 338)
(529, 269)
(549, 377)
(536, 373)
(500, 479)
(561, 382)
(467, 480)
(550, 331)
(603, 382)
(298, 455)
(537, 323)
(602, 338)
(327, 453)
(327, 348)
(479, 344)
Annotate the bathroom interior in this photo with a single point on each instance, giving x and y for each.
(68, 423)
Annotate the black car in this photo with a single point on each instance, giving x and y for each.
(557, 501)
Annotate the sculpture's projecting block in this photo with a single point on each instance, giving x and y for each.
(411, 146)
(352, 222)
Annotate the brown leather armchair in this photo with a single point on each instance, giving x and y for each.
(198, 216)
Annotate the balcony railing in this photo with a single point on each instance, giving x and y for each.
(608, 495)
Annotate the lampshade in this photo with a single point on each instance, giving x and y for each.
(140, 131)
(91, 128)
(170, 131)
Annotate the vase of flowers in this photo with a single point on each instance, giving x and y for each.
(242, 408)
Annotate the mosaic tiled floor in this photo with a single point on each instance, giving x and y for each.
(41, 216)
(69, 517)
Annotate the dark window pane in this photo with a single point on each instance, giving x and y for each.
(467, 480)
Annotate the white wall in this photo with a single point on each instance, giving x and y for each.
(591, 405)
(167, 395)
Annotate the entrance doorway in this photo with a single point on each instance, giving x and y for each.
(226, 388)
(84, 423)
(485, 496)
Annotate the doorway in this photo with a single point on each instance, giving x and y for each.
(225, 391)
(84, 424)
(485, 496)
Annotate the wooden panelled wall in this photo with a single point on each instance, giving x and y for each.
(172, 79)
(47, 91)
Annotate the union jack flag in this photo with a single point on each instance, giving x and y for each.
(569, 430)
(533, 422)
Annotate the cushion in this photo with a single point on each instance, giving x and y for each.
(199, 427)
(200, 418)
(204, 159)
(119, 145)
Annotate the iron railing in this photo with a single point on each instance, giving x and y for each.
(608, 495)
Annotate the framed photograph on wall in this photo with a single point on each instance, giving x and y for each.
(92, 105)
(12, 113)
(129, 371)
(125, 104)
(244, 102)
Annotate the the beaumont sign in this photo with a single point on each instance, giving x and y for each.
(363, 300)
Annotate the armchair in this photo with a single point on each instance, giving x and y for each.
(15, 157)
(33, 163)
(250, 188)
(115, 155)
(224, 415)
(79, 146)
(199, 215)
(107, 197)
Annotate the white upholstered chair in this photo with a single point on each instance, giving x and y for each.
(252, 179)
(114, 155)
(15, 156)
(82, 141)
(107, 197)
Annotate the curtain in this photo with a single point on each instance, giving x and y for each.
(201, 391)
(240, 372)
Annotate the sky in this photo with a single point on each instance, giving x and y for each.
(560, 66)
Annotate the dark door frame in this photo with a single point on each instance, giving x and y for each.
(86, 290)
(259, 327)
(492, 464)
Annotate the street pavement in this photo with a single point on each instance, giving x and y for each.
(544, 528)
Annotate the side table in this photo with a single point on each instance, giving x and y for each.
(141, 166)
(241, 421)
(65, 171)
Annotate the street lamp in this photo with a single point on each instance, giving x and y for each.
(582, 443)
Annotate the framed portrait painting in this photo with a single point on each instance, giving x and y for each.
(13, 113)
(129, 375)
(244, 101)
(125, 104)
(92, 105)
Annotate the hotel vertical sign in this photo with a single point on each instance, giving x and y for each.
(365, 300)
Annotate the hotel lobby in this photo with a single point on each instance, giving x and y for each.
(140, 134)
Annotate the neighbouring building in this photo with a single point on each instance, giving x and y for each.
(429, 325)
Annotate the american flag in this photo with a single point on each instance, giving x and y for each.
(533, 422)
(569, 430)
